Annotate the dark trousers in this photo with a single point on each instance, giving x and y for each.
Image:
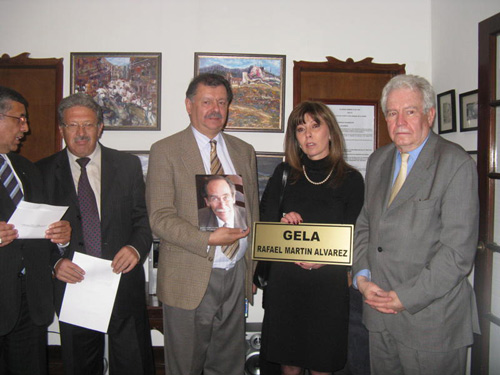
(130, 349)
(358, 355)
(23, 351)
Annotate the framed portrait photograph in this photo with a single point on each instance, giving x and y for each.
(126, 85)
(468, 111)
(266, 164)
(258, 84)
(446, 113)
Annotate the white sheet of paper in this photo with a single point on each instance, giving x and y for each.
(32, 219)
(89, 303)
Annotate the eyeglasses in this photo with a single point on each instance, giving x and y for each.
(74, 126)
(215, 199)
(20, 120)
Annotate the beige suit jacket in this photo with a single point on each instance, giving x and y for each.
(184, 265)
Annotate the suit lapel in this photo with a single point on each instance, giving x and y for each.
(108, 172)
(191, 159)
(64, 176)
(419, 172)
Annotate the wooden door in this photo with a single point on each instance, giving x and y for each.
(40, 81)
(485, 358)
(336, 81)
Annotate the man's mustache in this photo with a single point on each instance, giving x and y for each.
(82, 138)
(213, 115)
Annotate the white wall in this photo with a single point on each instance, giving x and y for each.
(300, 30)
(434, 38)
(455, 52)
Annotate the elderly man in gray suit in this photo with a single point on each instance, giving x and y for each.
(415, 241)
(202, 286)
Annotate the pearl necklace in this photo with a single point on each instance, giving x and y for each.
(316, 183)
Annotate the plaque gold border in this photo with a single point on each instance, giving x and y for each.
(313, 243)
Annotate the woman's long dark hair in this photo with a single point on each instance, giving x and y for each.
(293, 153)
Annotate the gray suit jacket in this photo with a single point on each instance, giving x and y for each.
(422, 246)
(185, 266)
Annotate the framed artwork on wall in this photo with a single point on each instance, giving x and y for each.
(126, 85)
(266, 164)
(258, 84)
(446, 113)
(468, 111)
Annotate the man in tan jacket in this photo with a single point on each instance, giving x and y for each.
(202, 290)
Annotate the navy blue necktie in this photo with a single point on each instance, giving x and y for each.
(10, 182)
(91, 225)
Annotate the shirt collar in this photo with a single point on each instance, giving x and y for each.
(94, 156)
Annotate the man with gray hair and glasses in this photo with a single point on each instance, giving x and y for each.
(26, 307)
(104, 190)
(415, 241)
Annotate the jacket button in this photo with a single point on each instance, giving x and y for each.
(210, 259)
(379, 249)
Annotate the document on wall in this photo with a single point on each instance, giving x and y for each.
(33, 219)
(89, 303)
(357, 123)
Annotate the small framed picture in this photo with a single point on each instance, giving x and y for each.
(468, 111)
(266, 164)
(447, 122)
(127, 85)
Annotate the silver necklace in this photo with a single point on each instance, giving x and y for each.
(316, 183)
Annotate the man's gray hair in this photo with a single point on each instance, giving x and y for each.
(412, 82)
(79, 100)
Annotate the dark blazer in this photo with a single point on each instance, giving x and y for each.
(124, 218)
(34, 255)
(422, 246)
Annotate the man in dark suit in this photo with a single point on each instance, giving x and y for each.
(415, 241)
(202, 289)
(219, 194)
(117, 182)
(26, 307)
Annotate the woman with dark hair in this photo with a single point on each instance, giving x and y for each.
(307, 304)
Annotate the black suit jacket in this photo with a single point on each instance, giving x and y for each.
(124, 219)
(34, 255)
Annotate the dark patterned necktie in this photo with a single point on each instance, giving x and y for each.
(91, 225)
(215, 164)
(10, 182)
